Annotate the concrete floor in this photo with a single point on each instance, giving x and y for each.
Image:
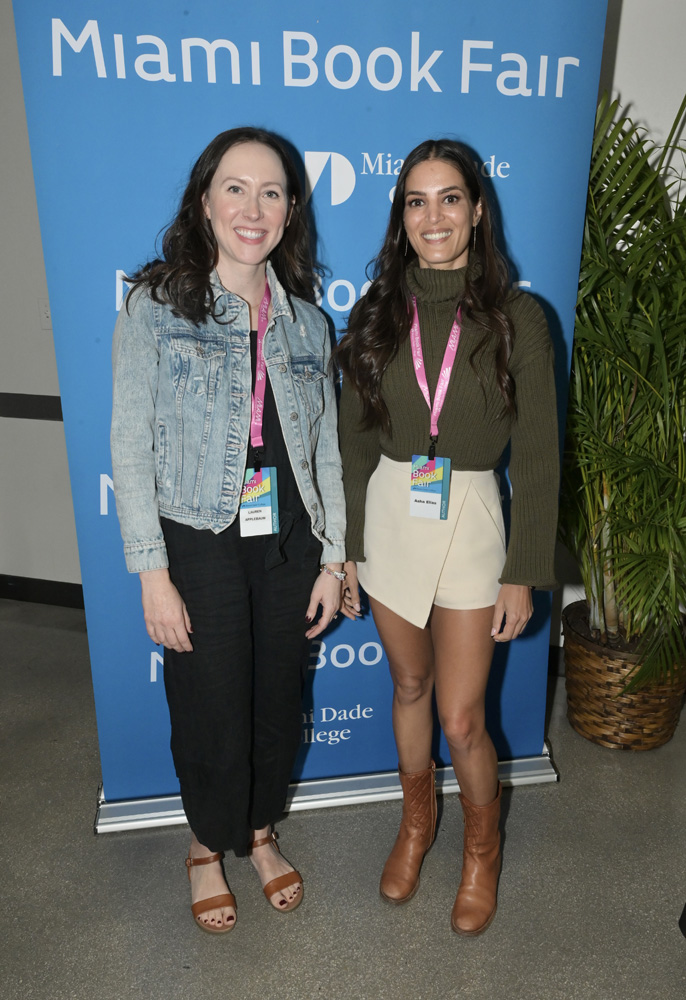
(593, 884)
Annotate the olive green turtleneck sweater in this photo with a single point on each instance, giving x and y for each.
(473, 429)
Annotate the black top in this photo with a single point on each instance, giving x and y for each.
(275, 453)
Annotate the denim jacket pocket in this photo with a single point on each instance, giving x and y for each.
(197, 364)
(309, 379)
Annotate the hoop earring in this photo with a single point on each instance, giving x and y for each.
(405, 254)
(474, 238)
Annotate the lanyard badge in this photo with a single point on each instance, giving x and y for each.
(430, 476)
(257, 408)
(259, 508)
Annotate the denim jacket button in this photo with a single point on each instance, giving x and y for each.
(313, 507)
(303, 464)
(294, 416)
(282, 368)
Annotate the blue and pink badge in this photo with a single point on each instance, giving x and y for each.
(259, 510)
(430, 477)
(429, 487)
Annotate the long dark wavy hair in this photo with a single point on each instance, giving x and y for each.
(189, 247)
(380, 321)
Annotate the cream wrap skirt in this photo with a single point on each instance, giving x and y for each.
(413, 563)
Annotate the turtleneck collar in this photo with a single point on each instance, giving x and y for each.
(433, 285)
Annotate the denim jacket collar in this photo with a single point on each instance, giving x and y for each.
(281, 305)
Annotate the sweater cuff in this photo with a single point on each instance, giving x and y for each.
(521, 581)
(529, 568)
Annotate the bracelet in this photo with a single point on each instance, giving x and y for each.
(339, 574)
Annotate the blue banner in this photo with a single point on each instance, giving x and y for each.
(121, 98)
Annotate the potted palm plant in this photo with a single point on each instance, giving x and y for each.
(623, 507)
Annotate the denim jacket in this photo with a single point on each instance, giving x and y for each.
(181, 418)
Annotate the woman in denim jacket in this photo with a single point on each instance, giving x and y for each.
(222, 393)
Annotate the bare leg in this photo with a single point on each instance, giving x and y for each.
(208, 881)
(463, 650)
(411, 660)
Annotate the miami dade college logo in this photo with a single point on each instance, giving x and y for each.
(342, 174)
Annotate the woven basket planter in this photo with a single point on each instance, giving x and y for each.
(597, 708)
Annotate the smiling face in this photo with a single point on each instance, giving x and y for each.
(248, 208)
(439, 215)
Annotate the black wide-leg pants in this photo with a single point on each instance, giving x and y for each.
(235, 701)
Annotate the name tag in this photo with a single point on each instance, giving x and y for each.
(429, 487)
(259, 509)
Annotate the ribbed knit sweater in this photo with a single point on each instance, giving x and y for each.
(473, 428)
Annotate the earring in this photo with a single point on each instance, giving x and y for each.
(405, 245)
(474, 238)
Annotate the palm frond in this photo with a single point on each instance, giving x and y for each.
(623, 505)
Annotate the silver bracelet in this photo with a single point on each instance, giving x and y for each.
(339, 574)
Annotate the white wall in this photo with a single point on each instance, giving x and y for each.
(642, 64)
(647, 70)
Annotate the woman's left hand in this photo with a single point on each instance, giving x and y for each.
(515, 606)
(327, 592)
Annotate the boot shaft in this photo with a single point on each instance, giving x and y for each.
(481, 823)
(419, 799)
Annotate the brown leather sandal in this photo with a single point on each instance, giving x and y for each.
(214, 902)
(281, 881)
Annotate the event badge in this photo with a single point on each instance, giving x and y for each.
(430, 487)
(259, 509)
(430, 476)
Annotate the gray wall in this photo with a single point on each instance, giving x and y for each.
(37, 534)
(643, 64)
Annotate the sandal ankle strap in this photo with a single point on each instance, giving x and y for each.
(210, 859)
(270, 839)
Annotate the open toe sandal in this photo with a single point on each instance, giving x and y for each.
(214, 902)
(282, 881)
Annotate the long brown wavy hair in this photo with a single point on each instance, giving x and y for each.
(190, 253)
(380, 321)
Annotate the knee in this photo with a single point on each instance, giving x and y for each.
(463, 730)
(409, 689)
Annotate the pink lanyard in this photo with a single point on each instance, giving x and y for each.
(443, 378)
(257, 411)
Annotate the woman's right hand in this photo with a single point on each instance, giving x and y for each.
(350, 600)
(166, 617)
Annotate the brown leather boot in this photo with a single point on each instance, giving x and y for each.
(400, 878)
(475, 904)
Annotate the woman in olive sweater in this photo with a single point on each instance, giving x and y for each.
(444, 365)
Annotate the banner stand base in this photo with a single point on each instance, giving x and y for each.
(320, 793)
